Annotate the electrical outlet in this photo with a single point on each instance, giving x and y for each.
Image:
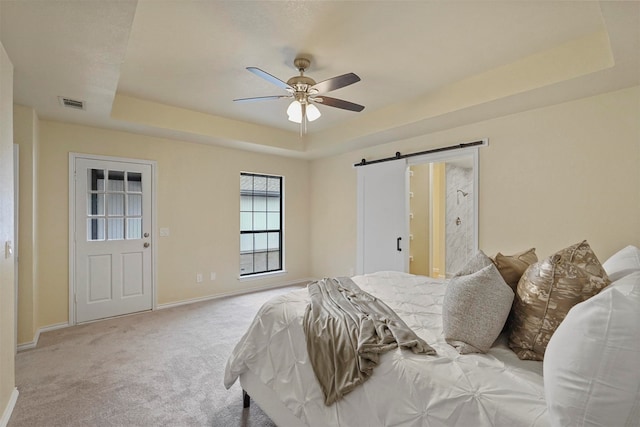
(199, 278)
(213, 276)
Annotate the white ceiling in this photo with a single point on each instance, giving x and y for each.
(424, 65)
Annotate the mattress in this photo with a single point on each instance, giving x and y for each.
(406, 389)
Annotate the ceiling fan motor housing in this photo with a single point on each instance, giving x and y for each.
(302, 84)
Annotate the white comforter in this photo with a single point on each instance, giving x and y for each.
(406, 389)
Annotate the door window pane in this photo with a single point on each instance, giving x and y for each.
(134, 205)
(115, 229)
(134, 182)
(95, 229)
(116, 181)
(96, 204)
(115, 204)
(96, 179)
(134, 228)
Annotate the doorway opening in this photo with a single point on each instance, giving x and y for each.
(443, 214)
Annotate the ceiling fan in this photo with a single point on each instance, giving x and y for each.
(305, 92)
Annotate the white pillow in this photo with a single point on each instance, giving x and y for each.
(592, 363)
(623, 262)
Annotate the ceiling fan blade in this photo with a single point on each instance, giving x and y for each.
(261, 98)
(268, 77)
(339, 103)
(336, 82)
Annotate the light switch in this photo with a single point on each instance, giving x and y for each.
(164, 232)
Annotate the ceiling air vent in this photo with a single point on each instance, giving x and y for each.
(71, 103)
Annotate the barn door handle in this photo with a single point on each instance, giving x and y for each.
(398, 244)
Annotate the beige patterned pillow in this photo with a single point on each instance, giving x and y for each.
(582, 255)
(545, 294)
(512, 267)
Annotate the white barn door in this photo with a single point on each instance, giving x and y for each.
(112, 238)
(383, 217)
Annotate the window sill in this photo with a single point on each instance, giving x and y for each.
(262, 275)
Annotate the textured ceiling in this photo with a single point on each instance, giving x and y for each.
(424, 65)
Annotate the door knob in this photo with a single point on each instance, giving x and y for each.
(146, 234)
(146, 244)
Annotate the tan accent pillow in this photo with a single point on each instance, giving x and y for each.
(512, 267)
(545, 294)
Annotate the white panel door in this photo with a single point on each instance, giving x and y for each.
(382, 217)
(113, 252)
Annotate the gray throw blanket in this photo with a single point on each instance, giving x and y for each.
(347, 329)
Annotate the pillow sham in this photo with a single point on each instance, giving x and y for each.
(623, 262)
(583, 256)
(545, 294)
(591, 366)
(512, 267)
(476, 304)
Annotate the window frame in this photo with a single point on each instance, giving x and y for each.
(266, 230)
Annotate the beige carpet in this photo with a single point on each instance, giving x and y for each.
(162, 368)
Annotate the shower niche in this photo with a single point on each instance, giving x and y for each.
(443, 213)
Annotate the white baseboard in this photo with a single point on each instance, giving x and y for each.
(32, 344)
(9, 408)
(234, 293)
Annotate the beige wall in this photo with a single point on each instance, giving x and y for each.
(439, 201)
(419, 221)
(549, 178)
(198, 200)
(7, 293)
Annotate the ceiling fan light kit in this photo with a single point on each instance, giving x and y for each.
(305, 92)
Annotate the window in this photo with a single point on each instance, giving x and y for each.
(260, 223)
(115, 205)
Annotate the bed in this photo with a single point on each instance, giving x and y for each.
(447, 389)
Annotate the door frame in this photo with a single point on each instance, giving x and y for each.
(72, 224)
